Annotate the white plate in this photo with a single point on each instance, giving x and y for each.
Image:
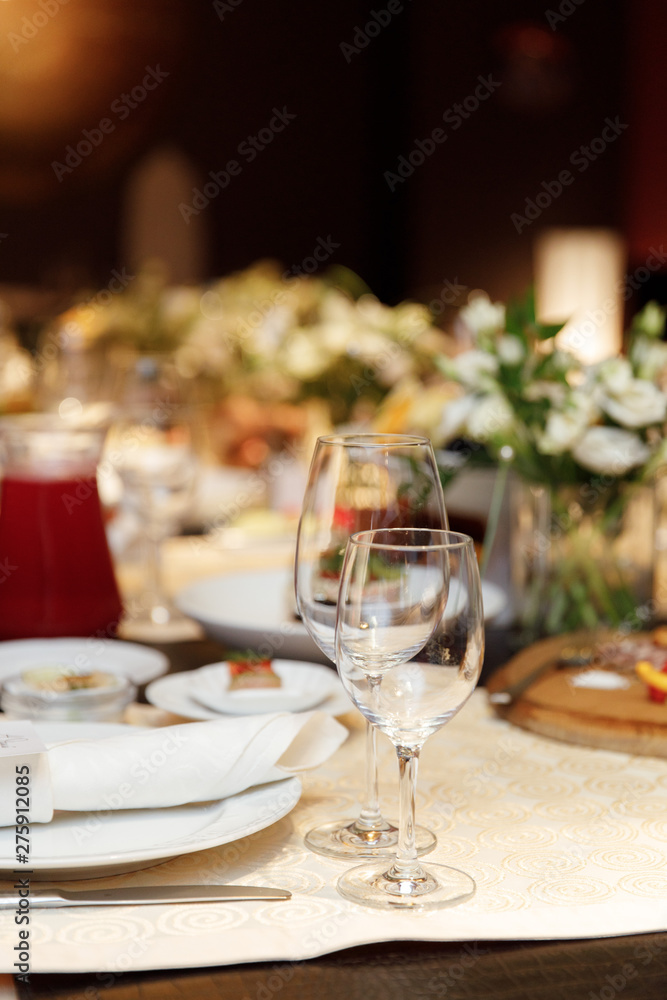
(304, 686)
(175, 693)
(253, 610)
(89, 845)
(139, 663)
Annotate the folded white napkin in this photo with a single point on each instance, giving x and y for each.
(192, 762)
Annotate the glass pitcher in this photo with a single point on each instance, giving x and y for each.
(56, 573)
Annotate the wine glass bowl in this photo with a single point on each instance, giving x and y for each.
(409, 651)
(153, 449)
(157, 468)
(356, 482)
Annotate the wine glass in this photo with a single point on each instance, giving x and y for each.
(355, 482)
(152, 447)
(409, 650)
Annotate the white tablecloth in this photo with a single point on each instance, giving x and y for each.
(563, 842)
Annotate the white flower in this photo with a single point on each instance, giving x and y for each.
(564, 427)
(511, 350)
(475, 369)
(454, 418)
(411, 320)
(560, 433)
(638, 404)
(370, 346)
(302, 357)
(481, 314)
(555, 392)
(337, 336)
(614, 374)
(491, 416)
(649, 357)
(610, 450)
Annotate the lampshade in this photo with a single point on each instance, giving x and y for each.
(579, 278)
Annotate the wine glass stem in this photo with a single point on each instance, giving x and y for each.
(370, 817)
(154, 570)
(406, 865)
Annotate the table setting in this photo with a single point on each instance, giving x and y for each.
(200, 824)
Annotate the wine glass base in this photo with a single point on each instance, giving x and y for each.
(351, 842)
(372, 885)
(174, 627)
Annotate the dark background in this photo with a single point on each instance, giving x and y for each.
(563, 68)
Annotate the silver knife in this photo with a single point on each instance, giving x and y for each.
(142, 894)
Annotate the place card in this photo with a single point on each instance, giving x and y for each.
(19, 738)
(25, 780)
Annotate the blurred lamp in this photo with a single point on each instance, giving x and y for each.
(579, 278)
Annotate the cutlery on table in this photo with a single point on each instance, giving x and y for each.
(142, 894)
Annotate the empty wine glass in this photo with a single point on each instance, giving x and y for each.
(359, 481)
(409, 650)
(153, 450)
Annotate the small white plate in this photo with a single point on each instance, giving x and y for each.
(140, 663)
(94, 844)
(176, 693)
(304, 686)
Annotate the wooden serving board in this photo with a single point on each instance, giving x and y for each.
(622, 719)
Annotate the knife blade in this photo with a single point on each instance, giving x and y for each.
(142, 894)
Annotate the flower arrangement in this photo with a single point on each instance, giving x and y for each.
(581, 439)
(277, 357)
(276, 338)
(524, 398)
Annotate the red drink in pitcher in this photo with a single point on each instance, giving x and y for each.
(56, 574)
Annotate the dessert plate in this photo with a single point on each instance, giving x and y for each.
(94, 844)
(180, 693)
(303, 686)
(139, 663)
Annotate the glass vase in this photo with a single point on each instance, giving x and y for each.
(582, 557)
